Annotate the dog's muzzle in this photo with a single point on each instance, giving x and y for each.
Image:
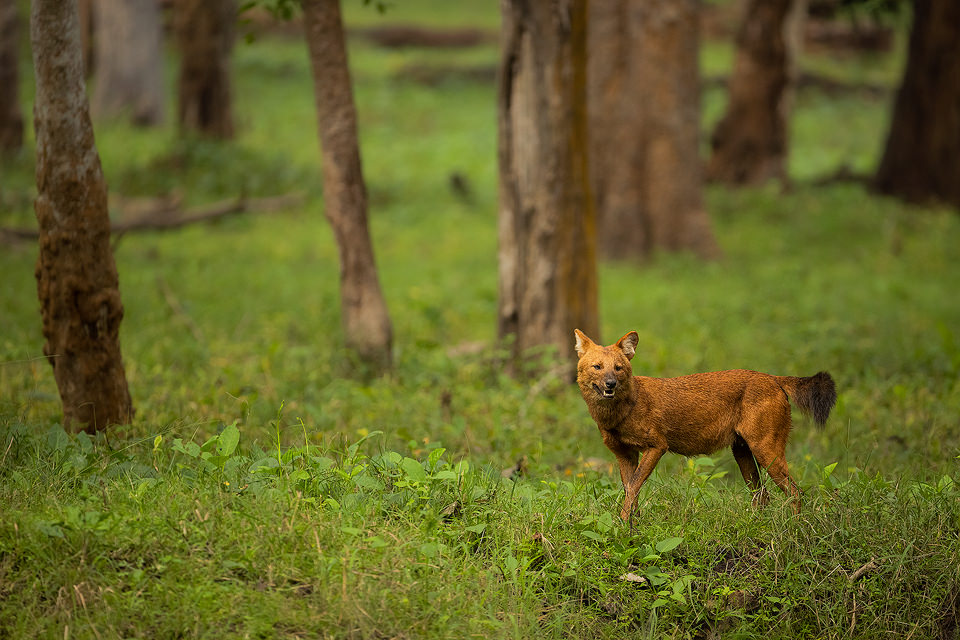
(608, 388)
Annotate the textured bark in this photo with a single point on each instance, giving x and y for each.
(920, 159)
(11, 118)
(547, 230)
(366, 322)
(750, 142)
(205, 33)
(130, 71)
(76, 276)
(645, 119)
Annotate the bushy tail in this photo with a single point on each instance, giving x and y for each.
(814, 395)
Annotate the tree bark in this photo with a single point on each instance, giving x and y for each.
(76, 276)
(547, 227)
(205, 32)
(750, 142)
(919, 162)
(11, 118)
(129, 77)
(645, 125)
(366, 322)
(671, 181)
(615, 127)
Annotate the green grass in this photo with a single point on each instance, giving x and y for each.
(299, 529)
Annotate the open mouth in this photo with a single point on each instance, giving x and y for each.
(604, 393)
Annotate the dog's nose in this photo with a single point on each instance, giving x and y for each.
(610, 383)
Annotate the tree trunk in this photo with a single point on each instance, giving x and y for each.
(11, 118)
(671, 180)
(750, 141)
(547, 232)
(645, 125)
(615, 127)
(87, 37)
(129, 50)
(366, 323)
(205, 31)
(919, 162)
(76, 275)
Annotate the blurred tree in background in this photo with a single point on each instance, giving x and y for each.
(205, 33)
(921, 160)
(644, 102)
(11, 117)
(750, 143)
(129, 74)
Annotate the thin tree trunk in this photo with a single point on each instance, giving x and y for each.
(366, 322)
(750, 141)
(11, 118)
(920, 161)
(76, 276)
(205, 32)
(547, 232)
(129, 50)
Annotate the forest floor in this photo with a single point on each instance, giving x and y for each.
(271, 487)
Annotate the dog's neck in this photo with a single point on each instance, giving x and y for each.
(610, 414)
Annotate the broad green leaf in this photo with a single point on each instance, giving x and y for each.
(228, 439)
(413, 469)
(669, 544)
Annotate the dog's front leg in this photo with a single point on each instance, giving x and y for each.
(647, 464)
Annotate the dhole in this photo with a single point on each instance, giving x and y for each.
(642, 418)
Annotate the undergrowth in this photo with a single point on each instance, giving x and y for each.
(215, 539)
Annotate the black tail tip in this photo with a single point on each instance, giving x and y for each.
(823, 398)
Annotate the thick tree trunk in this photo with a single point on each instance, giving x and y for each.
(671, 180)
(205, 32)
(130, 72)
(11, 118)
(615, 126)
(750, 141)
(76, 275)
(547, 232)
(366, 323)
(920, 161)
(645, 122)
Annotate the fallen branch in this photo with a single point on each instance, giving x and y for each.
(867, 568)
(168, 217)
(842, 174)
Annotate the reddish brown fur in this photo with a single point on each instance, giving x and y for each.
(642, 418)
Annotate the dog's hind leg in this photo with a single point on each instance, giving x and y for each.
(777, 468)
(749, 470)
(765, 431)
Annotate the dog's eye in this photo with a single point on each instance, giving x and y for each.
(617, 368)
(598, 367)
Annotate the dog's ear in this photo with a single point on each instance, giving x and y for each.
(582, 342)
(628, 344)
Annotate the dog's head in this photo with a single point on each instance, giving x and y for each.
(604, 372)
